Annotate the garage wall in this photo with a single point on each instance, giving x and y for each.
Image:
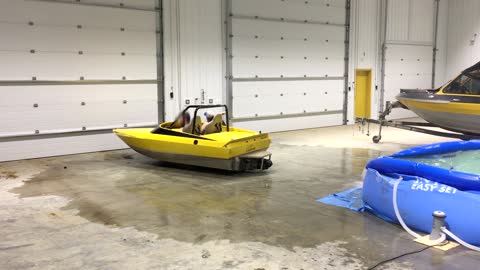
(408, 48)
(365, 46)
(442, 44)
(267, 54)
(407, 29)
(303, 88)
(193, 54)
(463, 36)
(287, 63)
(67, 80)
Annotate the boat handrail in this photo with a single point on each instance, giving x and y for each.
(198, 107)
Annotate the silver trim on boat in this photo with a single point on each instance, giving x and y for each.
(233, 164)
(424, 100)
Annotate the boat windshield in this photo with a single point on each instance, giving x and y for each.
(463, 161)
(466, 84)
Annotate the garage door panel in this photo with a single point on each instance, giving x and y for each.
(74, 94)
(331, 42)
(287, 70)
(314, 10)
(406, 67)
(250, 89)
(32, 120)
(61, 117)
(409, 51)
(251, 47)
(71, 42)
(393, 84)
(264, 106)
(273, 67)
(144, 4)
(285, 106)
(410, 73)
(68, 66)
(290, 97)
(276, 49)
(56, 146)
(408, 59)
(22, 37)
(73, 15)
(408, 82)
(320, 67)
(283, 124)
(23, 112)
(277, 30)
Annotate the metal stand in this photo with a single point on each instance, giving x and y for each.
(407, 125)
(438, 223)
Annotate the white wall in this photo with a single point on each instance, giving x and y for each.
(409, 36)
(408, 49)
(442, 44)
(194, 59)
(288, 64)
(463, 33)
(365, 47)
(409, 46)
(193, 53)
(74, 45)
(410, 21)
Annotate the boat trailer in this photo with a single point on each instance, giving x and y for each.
(421, 127)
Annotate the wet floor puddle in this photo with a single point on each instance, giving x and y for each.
(6, 175)
(276, 207)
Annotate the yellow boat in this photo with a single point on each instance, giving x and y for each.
(217, 145)
(455, 106)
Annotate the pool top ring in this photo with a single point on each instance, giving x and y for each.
(395, 165)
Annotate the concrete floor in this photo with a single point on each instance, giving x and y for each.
(120, 210)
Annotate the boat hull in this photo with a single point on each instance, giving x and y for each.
(239, 152)
(232, 164)
(454, 113)
(464, 123)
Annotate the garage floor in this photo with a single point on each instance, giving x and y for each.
(120, 210)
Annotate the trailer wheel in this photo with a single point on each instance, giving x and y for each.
(376, 139)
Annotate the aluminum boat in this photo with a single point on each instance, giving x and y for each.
(454, 106)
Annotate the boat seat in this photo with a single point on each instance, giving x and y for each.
(475, 87)
(214, 126)
(189, 127)
(175, 124)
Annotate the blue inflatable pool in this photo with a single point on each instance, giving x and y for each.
(442, 176)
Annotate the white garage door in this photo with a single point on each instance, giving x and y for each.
(408, 49)
(74, 67)
(287, 63)
(407, 67)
